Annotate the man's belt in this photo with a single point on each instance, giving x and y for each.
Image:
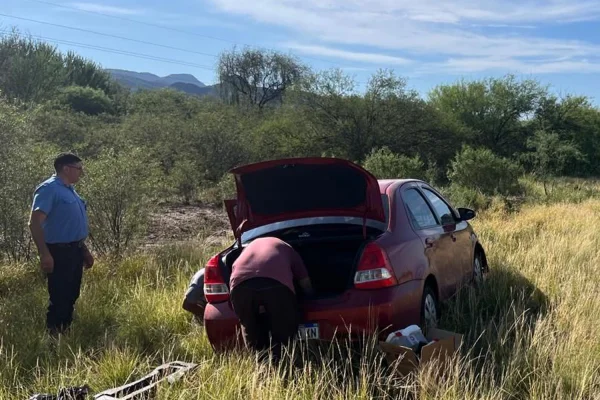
(78, 243)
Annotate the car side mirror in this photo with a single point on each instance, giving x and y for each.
(448, 219)
(466, 214)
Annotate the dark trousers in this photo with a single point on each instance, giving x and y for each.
(280, 317)
(63, 285)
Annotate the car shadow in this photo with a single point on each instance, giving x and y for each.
(496, 317)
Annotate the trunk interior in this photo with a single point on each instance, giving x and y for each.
(331, 262)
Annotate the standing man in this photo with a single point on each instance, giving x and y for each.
(194, 300)
(59, 226)
(263, 279)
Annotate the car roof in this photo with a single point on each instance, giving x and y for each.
(384, 184)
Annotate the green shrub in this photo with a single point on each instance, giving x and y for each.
(119, 189)
(218, 142)
(223, 190)
(484, 171)
(20, 172)
(185, 177)
(385, 164)
(560, 190)
(461, 196)
(23, 165)
(85, 99)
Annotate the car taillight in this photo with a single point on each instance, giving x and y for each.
(215, 288)
(374, 270)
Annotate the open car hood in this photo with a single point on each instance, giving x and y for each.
(287, 189)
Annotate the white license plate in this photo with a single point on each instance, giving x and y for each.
(308, 331)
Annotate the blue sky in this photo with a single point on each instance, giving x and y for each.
(429, 42)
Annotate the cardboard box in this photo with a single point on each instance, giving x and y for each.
(406, 361)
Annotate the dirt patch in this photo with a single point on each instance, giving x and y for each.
(177, 223)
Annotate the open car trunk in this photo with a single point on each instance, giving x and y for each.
(331, 262)
(284, 190)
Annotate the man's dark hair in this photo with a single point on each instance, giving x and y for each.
(65, 159)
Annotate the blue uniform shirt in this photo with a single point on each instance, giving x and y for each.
(66, 216)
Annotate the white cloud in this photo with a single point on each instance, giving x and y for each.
(448, 31)
(473, 65)
(183, 20)
(506, 26)
(348, 55)
(105, 9)
(356, 69)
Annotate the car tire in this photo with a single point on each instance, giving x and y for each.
(430, 309)
(478, 269)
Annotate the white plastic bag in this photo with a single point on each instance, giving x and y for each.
(410, 337)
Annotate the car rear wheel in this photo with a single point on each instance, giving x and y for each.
(430, 312)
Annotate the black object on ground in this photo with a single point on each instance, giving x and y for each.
(70, 393)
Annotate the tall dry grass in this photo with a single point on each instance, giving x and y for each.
(530, 332)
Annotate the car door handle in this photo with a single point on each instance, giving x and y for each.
(429, 242)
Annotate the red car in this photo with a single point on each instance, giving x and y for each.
(381, 255)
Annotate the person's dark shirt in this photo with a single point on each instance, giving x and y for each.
(268, 258)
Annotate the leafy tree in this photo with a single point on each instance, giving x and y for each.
(185, 178)
(85, 99)
(283, 133)
(386, 115)
(85, 73)
(482, 170)
(387, 165)
(165, 102)
(119, 189)
(70, 131)
(30, 71)
(166, 138)
(551, 155)
(490, 111)
(33, 71)
(23, 165)
(329, 101)
(218, 141)
(215, 194)
(257, 77)
(574, 120)
(464, 196)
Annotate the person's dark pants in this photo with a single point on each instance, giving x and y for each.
(280, 317)
(63, 285)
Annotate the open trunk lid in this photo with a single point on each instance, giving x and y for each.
(287, 189)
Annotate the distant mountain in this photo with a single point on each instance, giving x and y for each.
(194, 89)
(143, 80)
(183, 78)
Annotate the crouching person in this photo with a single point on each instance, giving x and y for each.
(194, 300)
(263, 295)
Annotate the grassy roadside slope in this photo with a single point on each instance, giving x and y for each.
(531, 332)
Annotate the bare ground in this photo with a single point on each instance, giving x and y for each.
(178, 223)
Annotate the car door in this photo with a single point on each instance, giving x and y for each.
(459, 234)
(437, 244)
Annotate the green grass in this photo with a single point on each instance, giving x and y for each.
(530, 332)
